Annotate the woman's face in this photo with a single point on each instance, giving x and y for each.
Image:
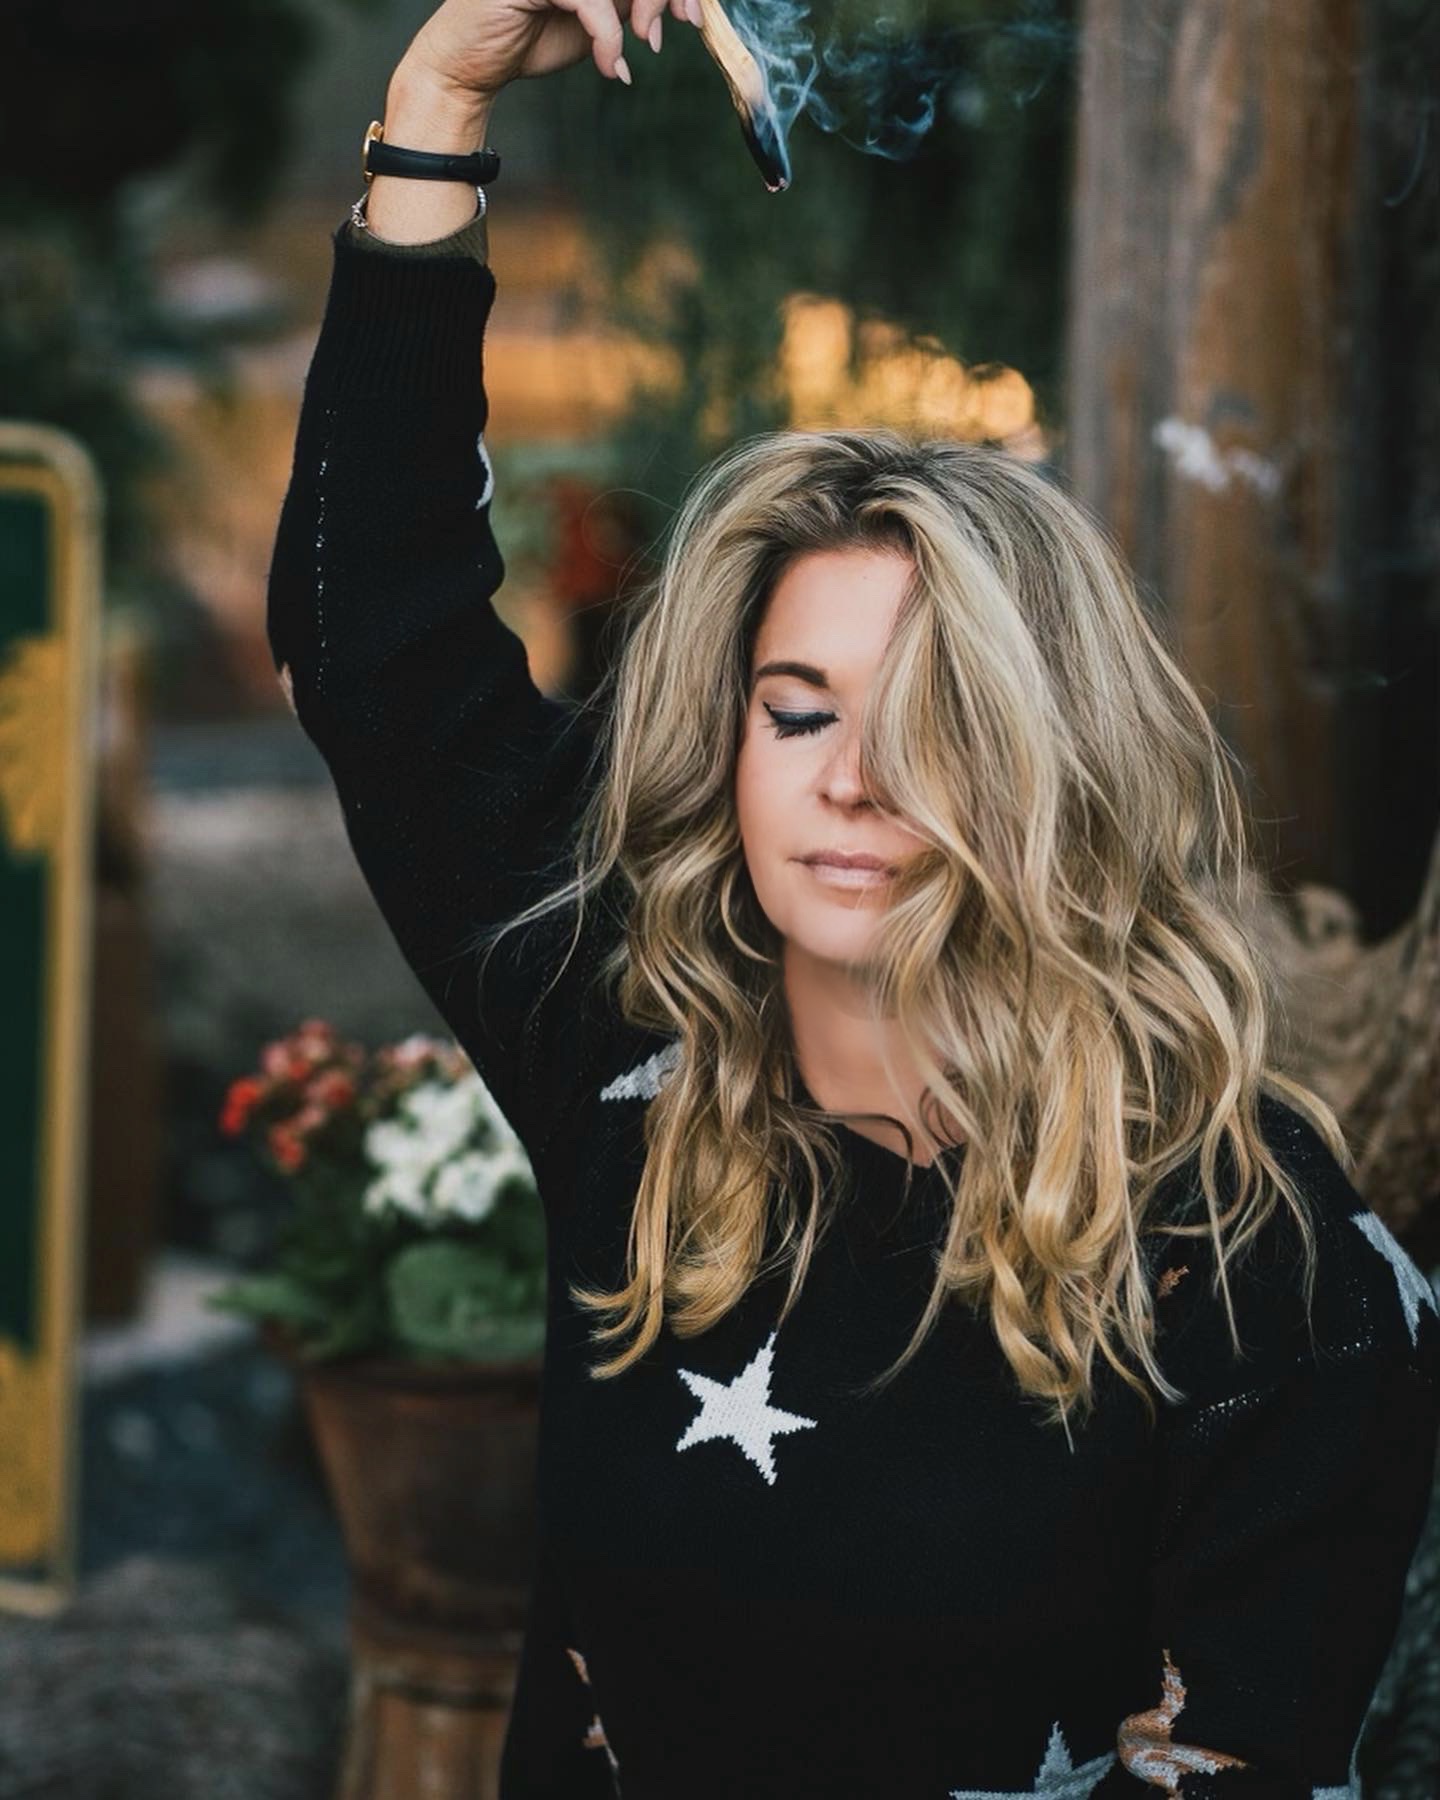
(797, 786)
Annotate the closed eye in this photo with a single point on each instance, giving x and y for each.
(798, 724)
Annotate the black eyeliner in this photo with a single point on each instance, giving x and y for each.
(797, 724)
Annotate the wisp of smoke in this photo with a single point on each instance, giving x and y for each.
(880, 91)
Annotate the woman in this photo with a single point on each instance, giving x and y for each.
(1002, 1388)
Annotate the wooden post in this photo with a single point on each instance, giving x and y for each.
(1211, 362)
(1225, 342)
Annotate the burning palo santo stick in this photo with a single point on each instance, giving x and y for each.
(750, 92)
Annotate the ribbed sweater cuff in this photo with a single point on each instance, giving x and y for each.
(401, 324)
(471, 239)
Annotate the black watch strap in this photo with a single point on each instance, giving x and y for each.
(478, 167)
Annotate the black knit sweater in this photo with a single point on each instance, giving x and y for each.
(755, 1582)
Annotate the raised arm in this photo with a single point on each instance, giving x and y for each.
(460, 782)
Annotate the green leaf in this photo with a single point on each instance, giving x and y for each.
(274, 1296)
(455, 1299)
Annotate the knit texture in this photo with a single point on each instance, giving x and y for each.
(469, 239)
(754, 1581)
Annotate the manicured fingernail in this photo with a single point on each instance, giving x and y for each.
(654, 36)
(693, 12)
(622, 69)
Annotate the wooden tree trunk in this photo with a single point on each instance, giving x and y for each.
(1224, 337)
(1210, 360)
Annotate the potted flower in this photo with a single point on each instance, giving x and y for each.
(407, 1291)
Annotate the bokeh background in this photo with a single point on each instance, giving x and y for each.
(1187, 252)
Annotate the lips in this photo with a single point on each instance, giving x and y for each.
(841, 859)
(852, 874)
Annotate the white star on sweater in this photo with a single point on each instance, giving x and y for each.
(741, 1411)
(1411, 1283)
(1056, 1779)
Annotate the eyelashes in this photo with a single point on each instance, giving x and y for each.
(797, 724)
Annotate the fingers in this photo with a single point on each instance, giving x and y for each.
(647, 18)
(607, 38)
(601, 20)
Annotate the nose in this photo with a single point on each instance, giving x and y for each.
(840, 772)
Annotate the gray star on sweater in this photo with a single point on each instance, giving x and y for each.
(646, 1079)
(1415, 1291)
(1351, 1789)
(1056, 1779)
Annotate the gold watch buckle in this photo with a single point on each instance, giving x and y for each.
(374, 133)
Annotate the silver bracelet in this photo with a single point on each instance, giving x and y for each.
(361, 223)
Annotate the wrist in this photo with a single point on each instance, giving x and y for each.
(423, 112)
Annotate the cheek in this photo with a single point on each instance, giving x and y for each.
(762, 796)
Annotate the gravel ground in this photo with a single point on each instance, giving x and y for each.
(194, 1445)
(205, 1654)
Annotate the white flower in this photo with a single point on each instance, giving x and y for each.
(445, 1114)
(465, 1187)
(393, 1146)
(446, 1153)
(469, 1187)
(497, 1127)
(397, 1191)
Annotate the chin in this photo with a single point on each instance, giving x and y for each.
(834, 941)
(833, 926)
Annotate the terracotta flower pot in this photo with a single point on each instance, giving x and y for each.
(432, 1471)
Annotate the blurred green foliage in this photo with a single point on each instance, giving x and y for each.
(963, 243)
(98, 94)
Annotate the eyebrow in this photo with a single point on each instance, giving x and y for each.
(802, 671)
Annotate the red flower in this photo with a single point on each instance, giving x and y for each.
(315, 1039)
(286, 1148)
(332, 1089)
(240, 1102)
(309, 1118)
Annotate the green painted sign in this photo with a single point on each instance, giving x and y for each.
(49, 620)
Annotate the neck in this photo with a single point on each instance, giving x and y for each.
(842, 1051)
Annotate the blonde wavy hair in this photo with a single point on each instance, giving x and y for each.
(1066, 960)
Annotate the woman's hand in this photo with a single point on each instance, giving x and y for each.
(473, 48)
(443, 87)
